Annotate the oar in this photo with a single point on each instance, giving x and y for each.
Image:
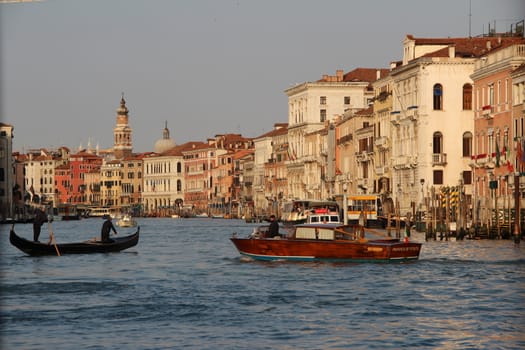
(52, 236)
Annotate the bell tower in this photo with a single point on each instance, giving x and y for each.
(122, 145)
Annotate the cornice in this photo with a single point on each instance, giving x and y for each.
(498, 67)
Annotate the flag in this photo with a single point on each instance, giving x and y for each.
(522, 158)
(510, 167)
(498, 155)
(519, 152)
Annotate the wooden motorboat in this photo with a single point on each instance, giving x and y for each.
(91, 246)
(327, 242)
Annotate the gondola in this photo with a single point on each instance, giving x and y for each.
(87, 247)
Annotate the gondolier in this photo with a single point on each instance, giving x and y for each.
(107, 226)
(38, 221)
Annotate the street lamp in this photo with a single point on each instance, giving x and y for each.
(422, 203)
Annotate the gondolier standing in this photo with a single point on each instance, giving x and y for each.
(107, 226)
(40, 218)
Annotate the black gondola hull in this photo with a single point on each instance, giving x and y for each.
(87, 247)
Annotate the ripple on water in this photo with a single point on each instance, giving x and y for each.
(185, 286)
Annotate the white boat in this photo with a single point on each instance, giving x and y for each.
(126, 221)
(100, 212)
(324, 219)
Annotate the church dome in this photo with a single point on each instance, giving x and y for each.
(165, 143)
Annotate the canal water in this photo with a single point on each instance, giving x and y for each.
(184, 286)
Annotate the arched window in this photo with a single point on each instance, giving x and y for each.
(467, 97)
(438, 97)
(437, 143)
(467, 144)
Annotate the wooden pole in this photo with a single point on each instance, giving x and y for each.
(52, 236)
(398, 220)
(516, 204)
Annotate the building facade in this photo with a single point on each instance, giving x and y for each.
(6, 172)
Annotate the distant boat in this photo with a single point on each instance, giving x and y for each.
(99, 212)
(325, 242)
(202, 215)
(126, 221)
(297, 211)
(66, 212)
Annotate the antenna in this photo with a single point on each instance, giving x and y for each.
(470, 19)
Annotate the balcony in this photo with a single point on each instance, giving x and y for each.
(361, 156)
(362, 182)
(311, 159)
(382, 142)
(401, 162)
(381, 170)
(486, 111)
(439, 159)
(344, 139)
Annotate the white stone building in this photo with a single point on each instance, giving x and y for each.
(311, 106)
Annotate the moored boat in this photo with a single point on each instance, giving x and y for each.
(91, 246)
(326, 242)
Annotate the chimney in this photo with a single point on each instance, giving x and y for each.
(451, 51)
(339, 74)
(489, 45)
(378, 74)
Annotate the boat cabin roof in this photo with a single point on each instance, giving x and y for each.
(324, 219)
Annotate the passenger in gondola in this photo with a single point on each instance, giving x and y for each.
(107, 226)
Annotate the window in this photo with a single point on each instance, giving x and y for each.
(322, 100)
(437, 143)
(438, 97)
(467, 177)
(467, 144)
(347, 100)
(438, 177)
(467, 97)
(323, 115)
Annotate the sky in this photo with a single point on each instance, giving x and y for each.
(205, 67)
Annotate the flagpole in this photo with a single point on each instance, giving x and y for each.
(517, 209)
(516, 204)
